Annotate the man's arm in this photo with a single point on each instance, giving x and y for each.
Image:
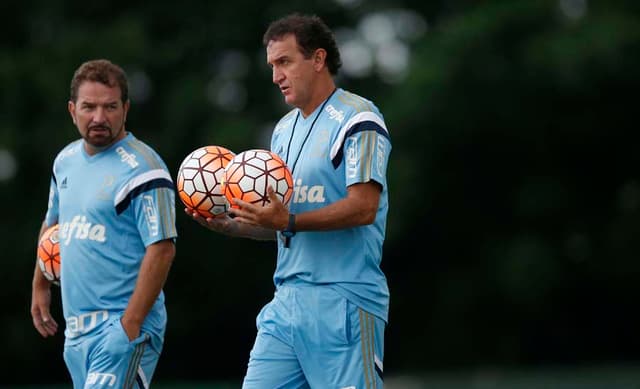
(151, 278)
(358, 208)
(225, 225)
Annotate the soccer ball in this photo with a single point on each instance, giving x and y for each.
(49, 254)
(251, 172)
(199, 178)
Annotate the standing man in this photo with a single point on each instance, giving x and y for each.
(114, 201)
(325, 326)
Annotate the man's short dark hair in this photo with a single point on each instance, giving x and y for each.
(311, 34)
(102, 71)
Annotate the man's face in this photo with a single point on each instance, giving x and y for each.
(99, 115)
(292, 72)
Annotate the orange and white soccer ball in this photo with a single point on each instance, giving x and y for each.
(49, 254)
(251, 172)
(199, 180)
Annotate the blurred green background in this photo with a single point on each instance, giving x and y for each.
(512, 242)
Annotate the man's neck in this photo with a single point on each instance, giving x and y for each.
(321, 93)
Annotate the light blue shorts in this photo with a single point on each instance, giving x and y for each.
(109, 360)
(313, 337)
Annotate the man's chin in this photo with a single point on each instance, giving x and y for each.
(99, 142)
(289, 100)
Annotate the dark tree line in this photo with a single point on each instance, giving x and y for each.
(515, 193)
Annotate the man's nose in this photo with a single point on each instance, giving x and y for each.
(277, 76)
(99, 115)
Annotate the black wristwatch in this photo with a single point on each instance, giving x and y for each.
(290, 230)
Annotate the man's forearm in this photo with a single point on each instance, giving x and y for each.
(244, 230)
(151, 278)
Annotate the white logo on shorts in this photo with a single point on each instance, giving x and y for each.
(101, 379)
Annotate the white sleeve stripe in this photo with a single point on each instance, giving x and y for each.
(360, 117)
(139, 180)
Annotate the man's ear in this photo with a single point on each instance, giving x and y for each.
(319, 59)
(126, 106)
(72, 111)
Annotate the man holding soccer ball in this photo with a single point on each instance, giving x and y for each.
(325, 326)
(113, 199)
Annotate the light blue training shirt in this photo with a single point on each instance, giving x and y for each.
(343, 142)
(109, 206)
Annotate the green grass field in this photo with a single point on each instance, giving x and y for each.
(584, 377)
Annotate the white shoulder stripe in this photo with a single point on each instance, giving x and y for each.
(139, 180)
(358, 118)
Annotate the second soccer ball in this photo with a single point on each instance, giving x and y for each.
(251, 172)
